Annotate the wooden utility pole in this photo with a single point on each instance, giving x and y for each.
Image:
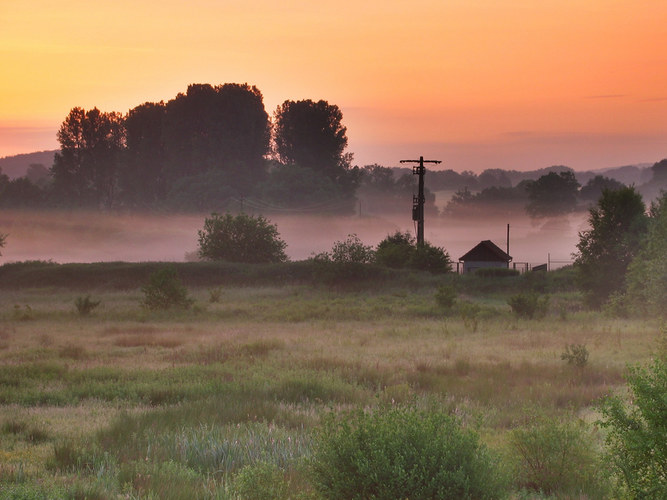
(419, 200)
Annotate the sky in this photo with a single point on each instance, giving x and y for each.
(513, 84)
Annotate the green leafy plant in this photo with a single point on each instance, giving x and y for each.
(84, 305)
(401, 452)
(395, 250)
(240, 238)
(637, 434)
(575, 354)
(430, 258)
(261, 481)
(164, 291)
(557, 457)
(400, 250)
(352, 250)
(529, 305)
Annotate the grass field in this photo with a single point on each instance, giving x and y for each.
(132, 403)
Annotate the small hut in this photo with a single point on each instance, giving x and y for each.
(485, 254)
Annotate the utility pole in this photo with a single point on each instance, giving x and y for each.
(419, 200)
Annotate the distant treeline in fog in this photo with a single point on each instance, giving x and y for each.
(216, 148)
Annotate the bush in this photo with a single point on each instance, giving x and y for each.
(240, 238)
(445, 297)
(401, 452)
(575, 354)
(261, 481)
(400, 250)
(395, 250)
(352, 250)
(529, 305)
(165, 291)
(430, 258)
(85, 306)
(555, 457)
(637, 435)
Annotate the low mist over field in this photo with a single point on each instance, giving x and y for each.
(94, 237)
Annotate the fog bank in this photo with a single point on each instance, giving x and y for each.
(93, 237)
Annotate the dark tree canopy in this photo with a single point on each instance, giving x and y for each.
(552, 194)
(594, 187)
(618, 224)
(311, 134)
(217, 128)
(143, 176)
(85, 169)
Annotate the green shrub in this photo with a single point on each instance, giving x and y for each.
(165, 291)
(529, 305)
(637, 435)
(445, 297)
(430, 258)
(395, 250)
(84, 305)
(241, 238)
(575, 354)
(352, 250)
(261, 481)
(557, 457)
(401, 452)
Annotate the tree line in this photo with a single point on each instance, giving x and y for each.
(197, 151)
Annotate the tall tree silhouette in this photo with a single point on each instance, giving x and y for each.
(85, 169)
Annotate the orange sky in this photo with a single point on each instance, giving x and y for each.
(477, 84)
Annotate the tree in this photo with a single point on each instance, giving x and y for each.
(301, 188)
(311, 134)
(637, 435)
(647, 274)
(3, 241)
(143, 177)
(85, 169)
(552, 194)
(618, 223)
(594, 187)
(241, 238)
(217, 128)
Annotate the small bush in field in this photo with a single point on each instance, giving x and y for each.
(529, 305)
(575, 354)
(401, 452)
(164, 291)
(557, 458)
(352, 250)
(84, 305)
(261, 481)
(445, 297)
(470, 312)
(214, 295)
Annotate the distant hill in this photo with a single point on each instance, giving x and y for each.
(17, 166)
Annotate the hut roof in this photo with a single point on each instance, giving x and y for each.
(486, 251)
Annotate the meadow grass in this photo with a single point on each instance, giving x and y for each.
(142, 404)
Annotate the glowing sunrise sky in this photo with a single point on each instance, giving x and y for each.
(475, 83)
